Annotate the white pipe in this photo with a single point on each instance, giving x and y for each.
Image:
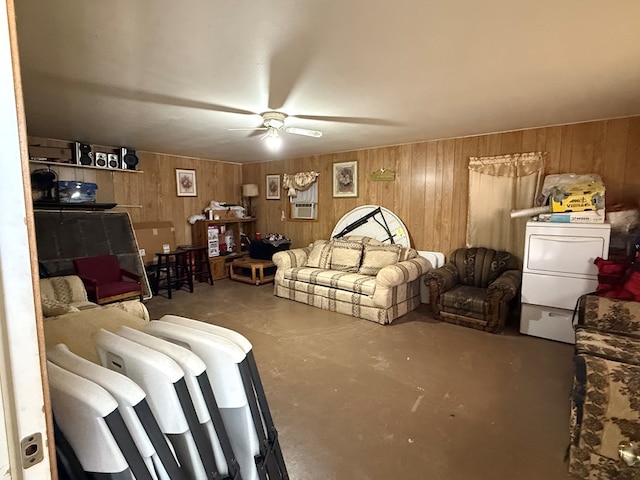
(529, 212)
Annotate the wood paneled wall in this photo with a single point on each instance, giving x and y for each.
(151, 195)
(430, 193)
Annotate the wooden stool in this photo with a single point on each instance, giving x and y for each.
(176, 270)
(198, 260)
(238, 271)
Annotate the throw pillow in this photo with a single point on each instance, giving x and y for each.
(52, 308)
(62, 289)
(345, 256)
(320, 256)
(407, 254)
(376, 257)
(363, 240)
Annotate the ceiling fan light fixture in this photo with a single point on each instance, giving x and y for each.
(273, 123)
(273, 119)
(273, 139)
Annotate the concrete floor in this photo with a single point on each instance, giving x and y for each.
(417, 399)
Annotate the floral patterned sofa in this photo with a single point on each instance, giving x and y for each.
(605, 401)
(354, 275)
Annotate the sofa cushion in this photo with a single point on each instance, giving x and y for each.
(320, 256)
(52, 308)
(76, 329)
(605, 411)
(350, 282)
(465, 301)
(345, 256)
(376, 257)
(608, 345)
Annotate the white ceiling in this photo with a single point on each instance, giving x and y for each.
(173, 77)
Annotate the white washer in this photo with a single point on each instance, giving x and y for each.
(558, 268)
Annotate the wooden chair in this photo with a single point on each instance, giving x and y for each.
(105, 281)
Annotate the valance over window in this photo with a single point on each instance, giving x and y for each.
(298, 182)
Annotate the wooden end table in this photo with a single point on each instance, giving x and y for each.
(239, 270)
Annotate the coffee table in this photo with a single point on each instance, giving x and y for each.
(251, 270)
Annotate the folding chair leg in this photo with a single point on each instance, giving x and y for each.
(268, 464)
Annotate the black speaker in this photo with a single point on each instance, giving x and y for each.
(101, 159)
(83, 153)
(129, 158)
(113, 162)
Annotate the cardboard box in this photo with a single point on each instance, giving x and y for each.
(154, 237)
(579, 197)
(596, 216)
(223, 214)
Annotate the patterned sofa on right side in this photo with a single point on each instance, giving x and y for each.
(605, 401)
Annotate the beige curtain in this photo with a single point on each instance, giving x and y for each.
(298, 181)
(498, 185)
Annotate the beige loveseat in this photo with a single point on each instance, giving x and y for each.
(357, 276)
(70, 318)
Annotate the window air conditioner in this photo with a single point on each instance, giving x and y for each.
(303, 210)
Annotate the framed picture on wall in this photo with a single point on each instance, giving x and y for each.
(273, 187)
(186, 183)
(345, 179)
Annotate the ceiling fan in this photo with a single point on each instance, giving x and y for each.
(273, 124)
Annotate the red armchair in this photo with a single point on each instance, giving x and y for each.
(105, 281)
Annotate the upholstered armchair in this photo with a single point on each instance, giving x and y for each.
(475, 288)
(105, 281)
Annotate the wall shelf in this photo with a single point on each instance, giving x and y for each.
(90, 167)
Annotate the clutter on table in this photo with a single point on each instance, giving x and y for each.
(264, 248)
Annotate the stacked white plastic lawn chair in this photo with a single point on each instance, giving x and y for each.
(187, 401)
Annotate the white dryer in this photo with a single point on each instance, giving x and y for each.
(558, 268)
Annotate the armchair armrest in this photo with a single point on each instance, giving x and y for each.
(439, 281)
(88, 281)
(131, 275)
(506, 286)
(402, 272)
(443, 278)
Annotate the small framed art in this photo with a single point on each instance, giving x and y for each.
(273, 187)
(186, 183)
(345, 179)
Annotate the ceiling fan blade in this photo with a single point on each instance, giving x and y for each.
(286, 67)
(138, 95)
(256, 128)
(303, 131)
(258, 132)
(360, 120)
